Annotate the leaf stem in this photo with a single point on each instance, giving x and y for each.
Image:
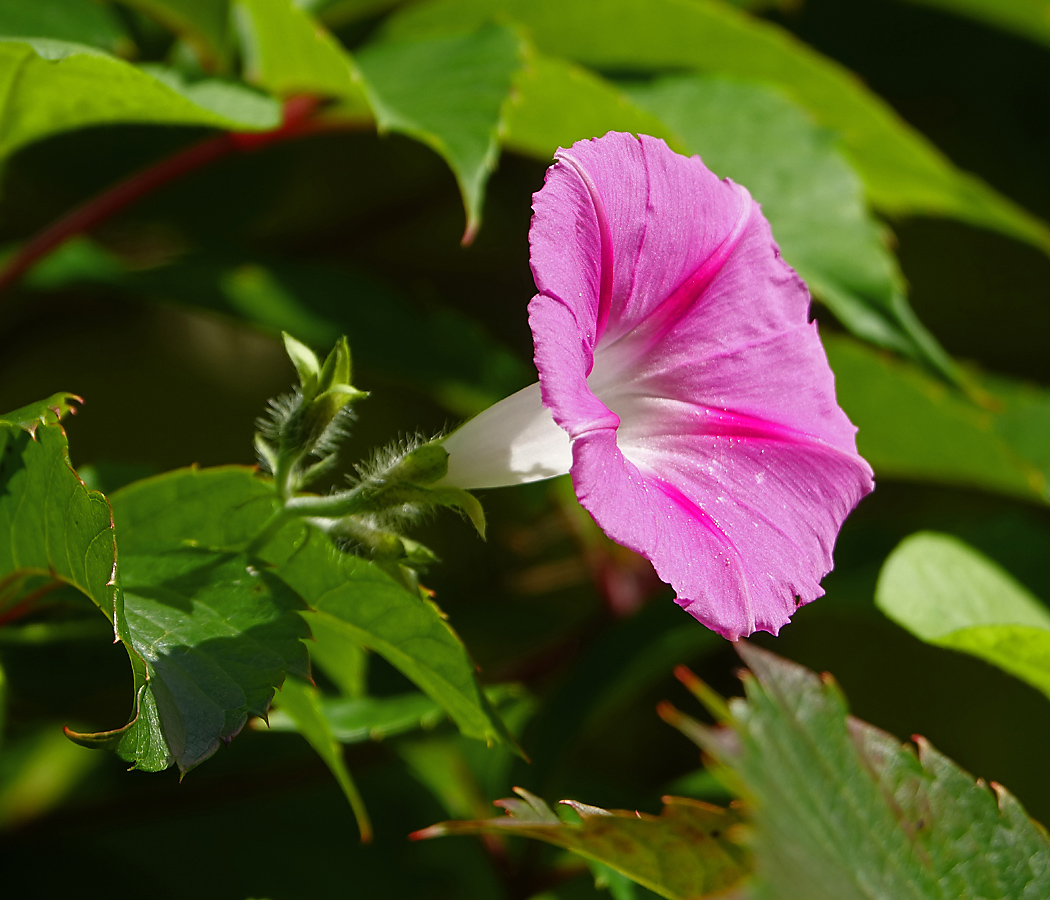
(297, 121)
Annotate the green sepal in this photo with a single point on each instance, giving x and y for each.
(306, 363)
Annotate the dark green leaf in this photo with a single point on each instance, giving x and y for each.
(47, 87)
(810, 194)
(202, 23)
(301, 705)
(947, 593)
(903, 173)
(82, 21)
(682, 854)
(56, 528)
(841, 811)
(915, 427)
(449, 93)
(1028, 18)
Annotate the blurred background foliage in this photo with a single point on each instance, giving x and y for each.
(931, 280)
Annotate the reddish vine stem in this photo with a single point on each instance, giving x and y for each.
(26, 605)
(297, 122)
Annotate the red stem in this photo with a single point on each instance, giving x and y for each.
(26, 605)
(296, 122)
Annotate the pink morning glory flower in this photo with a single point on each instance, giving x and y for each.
(681, 383)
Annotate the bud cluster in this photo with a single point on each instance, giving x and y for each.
(298, 442)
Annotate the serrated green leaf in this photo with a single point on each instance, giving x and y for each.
(839, 810)
(301, 704)
(227, 506)
(47, 87)
(556, 103)
(683, 854)
(903, 172)
(286, 51)
(1028, 18)
(82, 21)
(55, 527)
(448, 92)
(812, 197)
(915, 427)
(202, 23)
(948, 594)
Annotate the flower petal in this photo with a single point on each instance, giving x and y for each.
(702, 410)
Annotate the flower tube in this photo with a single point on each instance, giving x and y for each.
(681, 383)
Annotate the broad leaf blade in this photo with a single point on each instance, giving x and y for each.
(813, 199)
(841, 811)
(448, 92)
(81, 21)
(287, 52)
(915, 427)
(47, 87)
(56, 527)
(904, 174)
(946, 593)
(683, 854)
(556, 103)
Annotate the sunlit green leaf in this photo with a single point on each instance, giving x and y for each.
(912, 426)
(82, 21)
(351, 720)
(947, 593)
(839, 810)
(904, 174)
(301, 705)
(556, 103)
(448, 92)
(288, 52)
(1028, 18)
(810, 194)
(682, 854)
(47, 87)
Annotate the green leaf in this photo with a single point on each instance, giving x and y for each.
(228, 506)
(1028, 18)
(81, 21)
(55, 527)
(682, 854)
(809, 192)
(354, 720)
(839, 810)
(360, 601)
(556, 103)
(948, 594)
(448, 92)
(204, 24)
(218, 636)
(301, 705)
(47, 87)
(287, 52)
(915, 427)
(903, 172)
